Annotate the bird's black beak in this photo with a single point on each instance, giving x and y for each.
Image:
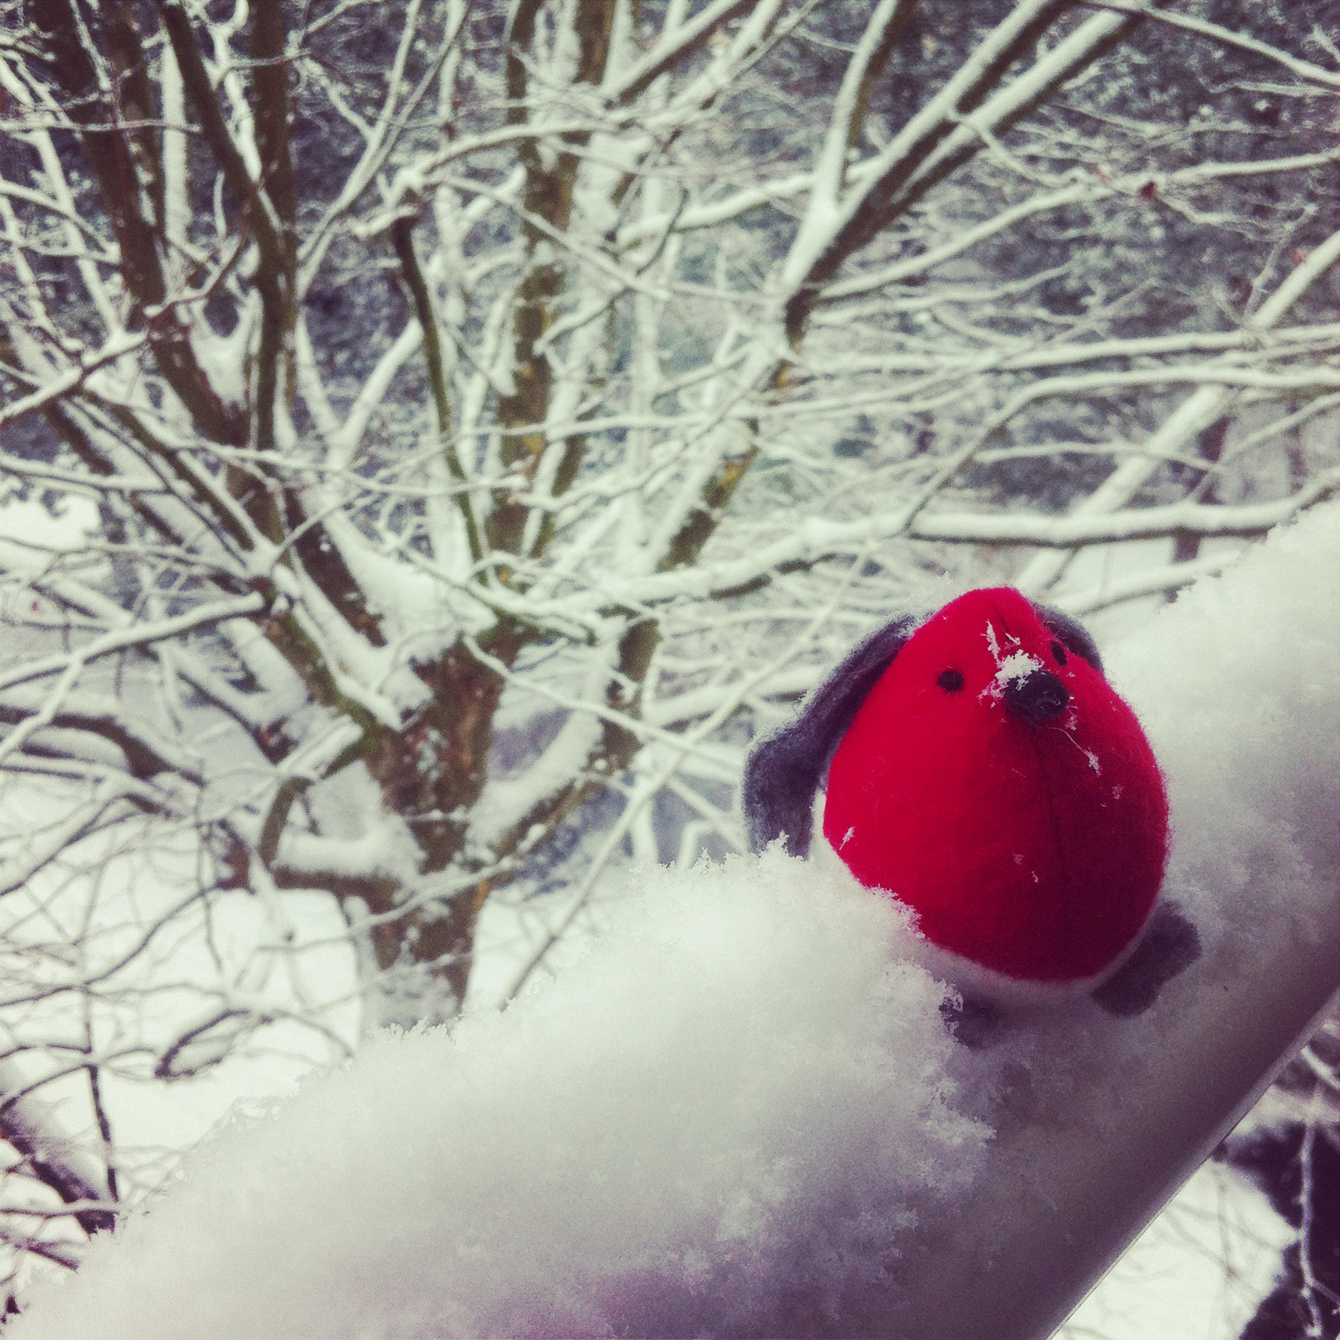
(1036, 697)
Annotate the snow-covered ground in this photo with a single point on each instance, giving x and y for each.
(1196, 1273)
(739, 1112)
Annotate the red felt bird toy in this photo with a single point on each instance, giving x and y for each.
(981, 770)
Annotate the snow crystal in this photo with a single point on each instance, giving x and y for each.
(1018, 665)
(1014, 665)
(993, 642)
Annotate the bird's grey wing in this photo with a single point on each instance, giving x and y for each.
(784, 771)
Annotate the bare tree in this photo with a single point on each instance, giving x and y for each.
(436, 431)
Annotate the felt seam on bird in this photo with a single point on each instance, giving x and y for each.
(977, 766)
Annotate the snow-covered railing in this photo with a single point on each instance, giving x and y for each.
(742, 1112)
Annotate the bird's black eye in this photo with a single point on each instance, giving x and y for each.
(950, 680)
(1059, 652)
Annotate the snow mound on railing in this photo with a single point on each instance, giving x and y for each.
(728, 1111)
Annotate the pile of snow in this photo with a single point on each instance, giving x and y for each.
(741, 1112)
(724, 1118)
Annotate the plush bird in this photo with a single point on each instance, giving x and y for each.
(980, 769)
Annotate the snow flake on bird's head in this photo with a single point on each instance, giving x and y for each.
(993, 642)
(1018, 665)
(1012, 661)
(1006, 648)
